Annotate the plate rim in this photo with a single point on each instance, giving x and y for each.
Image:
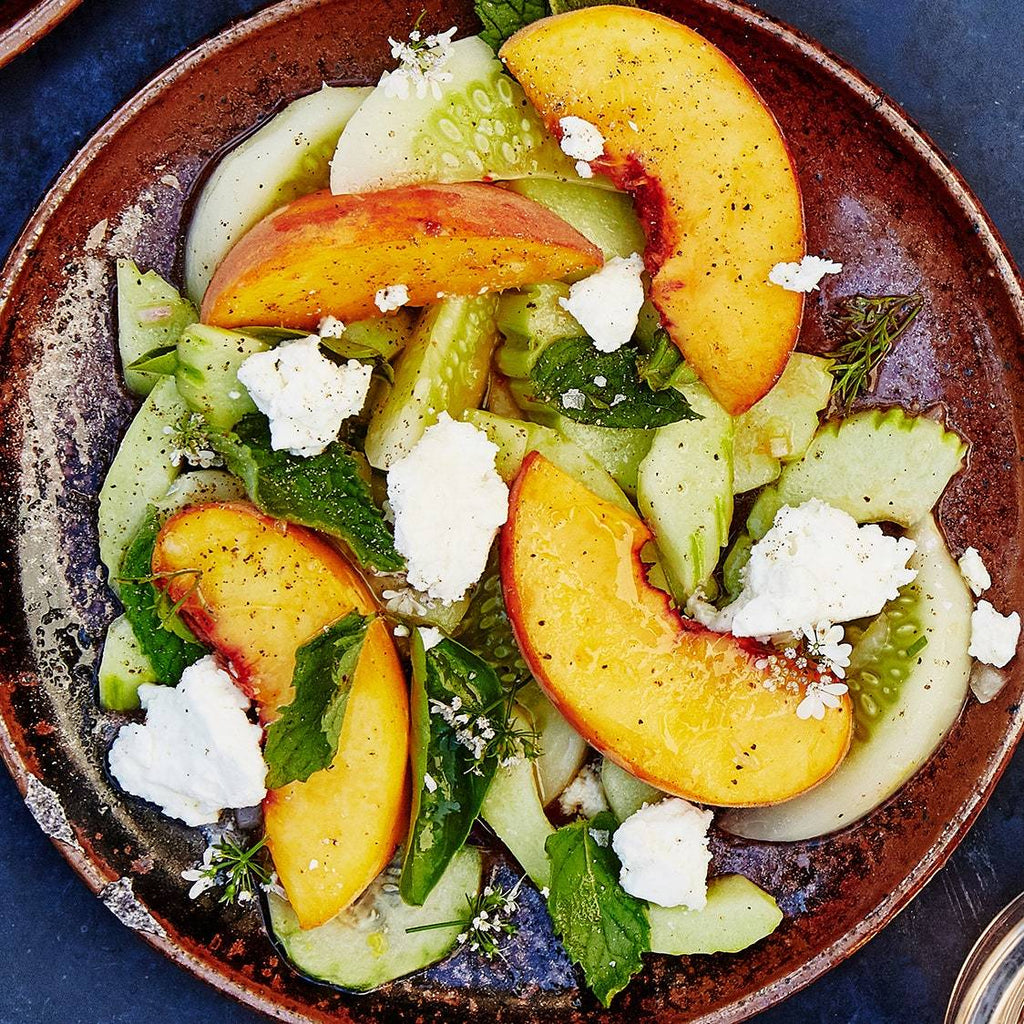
(27, 30)
(893, 116)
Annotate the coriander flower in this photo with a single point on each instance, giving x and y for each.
(818, 697)
(190, 442)
(421, 65)
(824, 644)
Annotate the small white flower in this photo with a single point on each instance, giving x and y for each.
(421, 64)
(818, 697)
(824, 644)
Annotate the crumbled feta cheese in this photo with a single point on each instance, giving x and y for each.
(573, 399)
(430, 636)
(607, 303)
(664, 852)
(584, 795)
(401, 629)
(330, 327)
(816, 566)
(197, 753)
(303, 394)
(448, 502)
(393, 297)
(617, 399)
(429, 782)
(974, 572)
(600, 380)
(421, 64)
(804, 276)
(583, 169)
(580, 139)
(993, 636)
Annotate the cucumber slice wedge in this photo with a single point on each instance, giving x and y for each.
(150, 317)
(285, 159)
(626, 793)
(879, 466)
(620, 451)
(482, 128)
(199, 487)
(124, 667)
(443, 368)
(904, 704)
(369, 944)
(530, 320)
(738, 914)
(684, 489)
(142, 470)
(562, 749)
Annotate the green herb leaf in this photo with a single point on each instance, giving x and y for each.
(603, 928)
(603, 388)
(305, 738)
(871, 325)
(662, 366)
(229, 864)
(326, 492)
(164, 638)
(503, 18)
(561, 6)
(917, 646)
(454, 693)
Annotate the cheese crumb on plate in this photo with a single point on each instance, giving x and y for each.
(974, 572)
(804, 276)
(993, 636)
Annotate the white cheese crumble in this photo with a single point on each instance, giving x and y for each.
(974, 572)
(607, 303)
(431, 637)
(197, 753)
(584, 795)
(601, 381)
(664, 852)
(993, 636)
(330, 327)
(429, 782)
(583, 169)
(580, 139)
(303, 394)
(573, 399)
(421, 65)
(392, 297)
(448, 502)
(804, 276)
(816, 566)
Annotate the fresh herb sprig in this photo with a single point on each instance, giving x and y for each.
(229, 864)
(489, 921)
(871, 325)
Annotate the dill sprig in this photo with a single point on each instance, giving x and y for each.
(229, 864)
(488, 923)
(871, 325)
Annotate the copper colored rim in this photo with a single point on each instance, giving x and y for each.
(32, 26)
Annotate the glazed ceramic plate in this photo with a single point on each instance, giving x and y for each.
(878, 197)
(23, 22)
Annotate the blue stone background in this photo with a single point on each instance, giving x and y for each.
(957, 66)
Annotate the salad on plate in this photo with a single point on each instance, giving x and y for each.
(479, 498)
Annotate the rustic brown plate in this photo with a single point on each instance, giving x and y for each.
(878, 197)
(23, 22)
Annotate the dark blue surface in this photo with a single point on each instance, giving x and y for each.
(955, 65)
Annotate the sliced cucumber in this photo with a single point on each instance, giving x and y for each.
(619, 451)
(486, 630)
(288, 157)
(530, 320)
(443, 369)
(904, 703)
(734, 563)
(385, 336)
(601, 216)
(150, 317)
(207, 376)
(738, 914)
(517, 438)
(514, 810)
(879, 466)
(482, 128)
(562, 749)
(684, 489)
(369, 943)
(143, 468)
(124, 667)
(626, 793)
(199, 487)
(781, 425)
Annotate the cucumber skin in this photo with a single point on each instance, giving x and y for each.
(140, 474)
(358, 957)
(124, 667)
(619, 450)
(878, 465)
(443, 368)
(530, 320)
(684, 490)
(929, 702)
(562, 749)
(288, 157)
(626, 793)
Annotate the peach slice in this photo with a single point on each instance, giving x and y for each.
(331, 835)
(325, 254)
(714, 185)
(703, 715)
(255, 589)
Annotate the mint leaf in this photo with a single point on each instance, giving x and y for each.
(602, 927)
(326, 492)
(503, 18)
(662, 365)
(305, 738)
(452, 692)
(603, 388)
(165, 639)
